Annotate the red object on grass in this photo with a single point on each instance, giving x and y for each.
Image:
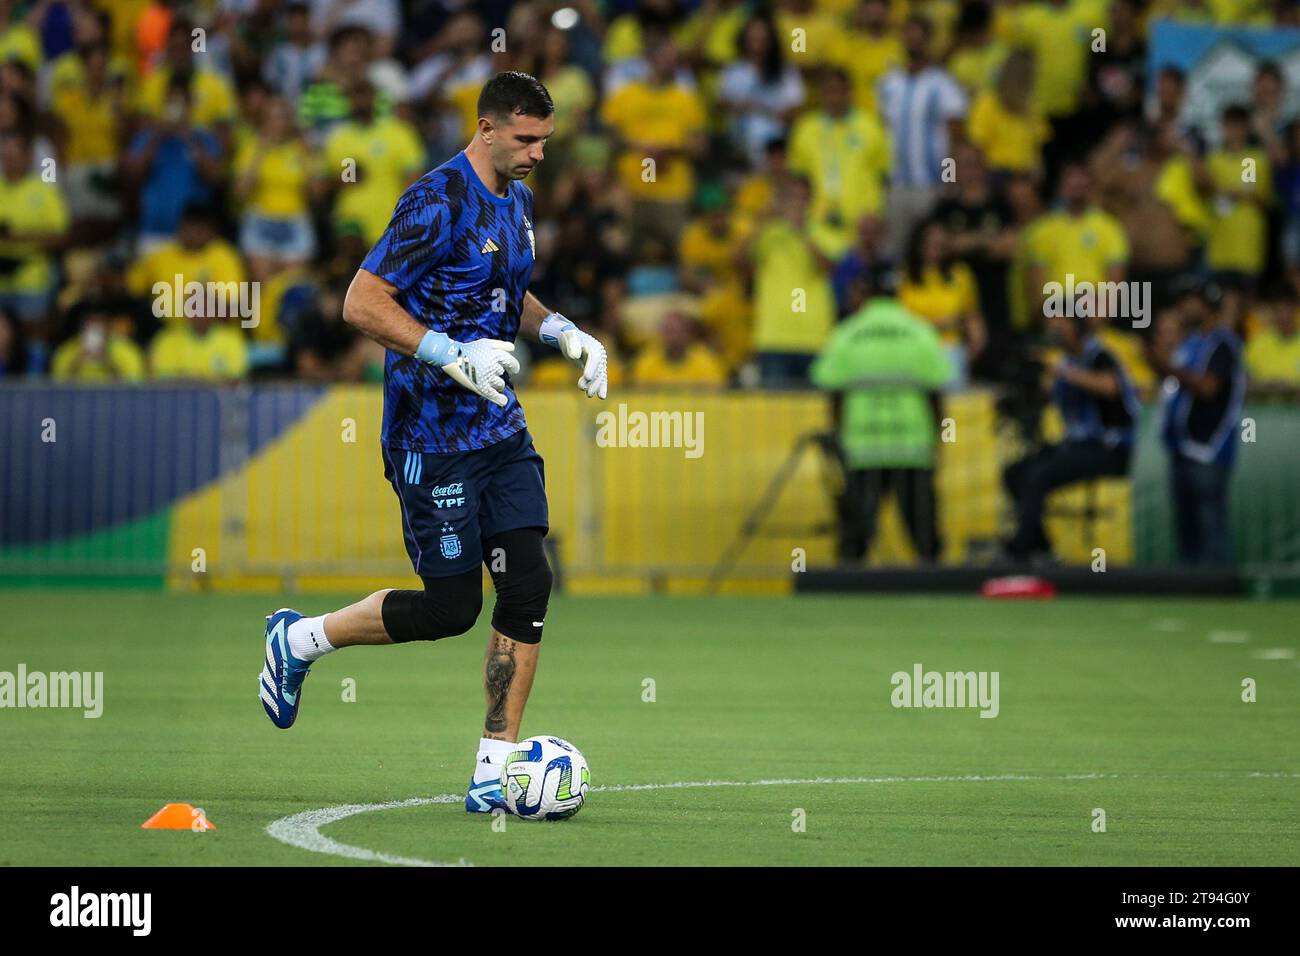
(1018, 586)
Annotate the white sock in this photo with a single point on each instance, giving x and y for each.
(307, 639)
(491, 757)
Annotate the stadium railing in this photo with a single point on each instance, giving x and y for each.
(281, 487)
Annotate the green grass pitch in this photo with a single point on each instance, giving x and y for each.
(1133, 707)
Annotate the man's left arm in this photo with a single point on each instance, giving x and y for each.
(532, 316)
(1201, 384)
(585, 351)
(1103, 382)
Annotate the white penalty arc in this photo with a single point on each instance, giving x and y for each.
(302, 830)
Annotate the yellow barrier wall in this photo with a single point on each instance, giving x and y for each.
(312, 510)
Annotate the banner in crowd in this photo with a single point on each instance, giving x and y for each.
(1220, 64)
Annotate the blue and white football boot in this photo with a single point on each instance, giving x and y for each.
(280, 684)
(484, 797)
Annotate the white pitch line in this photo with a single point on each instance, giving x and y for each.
(302, 830)
(1229, 637)
(1275, 654)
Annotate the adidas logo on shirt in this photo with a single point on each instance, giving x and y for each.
(490, 246)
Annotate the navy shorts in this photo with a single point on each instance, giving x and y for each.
(451, 503)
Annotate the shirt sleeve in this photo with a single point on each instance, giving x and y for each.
(936, 369)
(611, 113)
(880, 154)
(1117, 251)
(1034, 243)
(1104, 362)
(137, 276)
(55, 211)
(695, 116)
(529, 204)
(332, 156)
(1222, 365)
(209, 144)
(61, 367)
(952, 99)
(831, 369)
(792, 89)
(164, 356)
(1264, 177)
(801, 146)
(885, 87)
(417, 239)
(137, 144)
(236, 354)
(229, 266)
(731, 85)
(221, 100)
(244, 158)
(412, 151)
(127, 359)
(977, 124)
(965, 280)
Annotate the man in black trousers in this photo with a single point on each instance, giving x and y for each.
(1100, 408)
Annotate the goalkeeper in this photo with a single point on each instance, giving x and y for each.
(445, 290)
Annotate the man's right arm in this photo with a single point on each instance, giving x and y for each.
(480, 366)
(370, 306)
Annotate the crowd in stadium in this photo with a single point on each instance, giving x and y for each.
(728, 184)
(708, 158)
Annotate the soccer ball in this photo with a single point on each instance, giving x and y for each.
(545, 778)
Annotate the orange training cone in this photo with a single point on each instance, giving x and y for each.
(179, 816)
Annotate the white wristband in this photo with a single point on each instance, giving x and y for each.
(552, 327)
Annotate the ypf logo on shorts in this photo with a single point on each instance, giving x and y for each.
(449, 496)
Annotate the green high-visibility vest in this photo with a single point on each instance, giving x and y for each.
(886, 361)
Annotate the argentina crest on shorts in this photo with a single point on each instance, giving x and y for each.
(449, 543)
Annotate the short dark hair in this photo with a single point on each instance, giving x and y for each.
(973, 16)
(1074, 162)
(878, 280)
(347, 31)
(1269, 68)
(1191, 286)
(514, 94)
(1279, 291)
(199, 210)
(1236, 113)
(179, 84)
(836, 73)
(22, 135)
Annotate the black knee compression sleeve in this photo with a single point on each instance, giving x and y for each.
(446, 607)
(522, 578)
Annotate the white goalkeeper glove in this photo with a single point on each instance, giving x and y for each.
(582, 349)
(479, 366)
